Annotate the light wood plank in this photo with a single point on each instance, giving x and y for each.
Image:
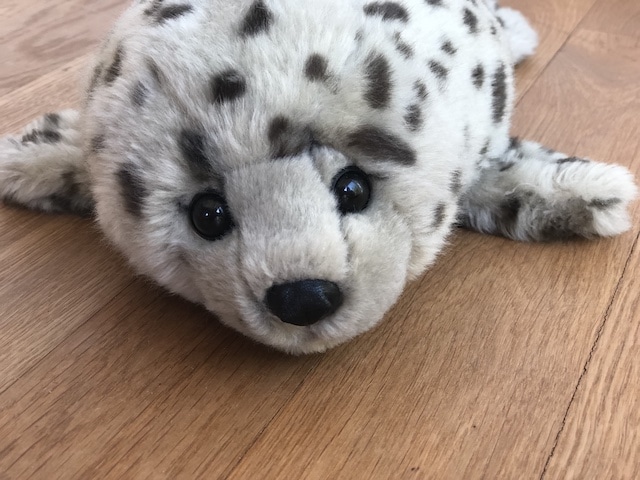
(554, 21)
(61, 88)
(148, 386)
(39, 36)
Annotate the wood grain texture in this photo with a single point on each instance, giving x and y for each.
(505, 360)
(37, 36)
(600, 437)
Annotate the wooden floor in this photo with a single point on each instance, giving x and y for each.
(506, 360)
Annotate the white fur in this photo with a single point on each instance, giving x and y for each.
(522, 39)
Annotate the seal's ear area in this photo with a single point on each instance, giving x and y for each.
(45, 168)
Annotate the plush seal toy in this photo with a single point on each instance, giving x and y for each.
(291, 165)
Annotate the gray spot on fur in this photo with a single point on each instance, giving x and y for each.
(439, 70)
(456, 182)
(52, 120)
(506, 166)
(439, 216)
(470, 20)
(41, 136)
(70, 198)
(604, 203)
(132, 189)
(193, 148)
(161, 14)
(421, 90)
(228, 86)
(387, 10)
(98, 143)
(378, 144)
(139, 94)
(257, 20)
(115, 69)
(499, 93)
(477, 76)
(402, 47)
(378, 73)
(95, 78)
(413, 117)
(316, 68)
(448, 48)
(286, 139)
(564, 161)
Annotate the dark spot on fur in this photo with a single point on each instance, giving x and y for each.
(439, 70)
(470, 20)
(439, 216)
(485, 149)
(500, 21)
(507, 166)
(70, 198)
(421, 89)
(456, 182)
(404, 48)
(161, 14)
(95, 78)
(316, 68)
(257, 20)
(514, 143)
(173, 11)
(378, 144)
(434, 3)
(228, 86)
(153, 9)
(478, 76)
(563, 161)
(604, 203)
(115, 69)
(499, 93)
(378, 74)
(448, 48)
(192, 145)
(155, 71)
(286, 140)
(573, 219)
(494, 30)
(41, 136)
(508, 213)
(139, 94)
(132, 189)
(387, 10)
(278, 127)
(52, 120)
(98, 143)
(413, 117)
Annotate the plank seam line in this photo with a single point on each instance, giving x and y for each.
(587, 363)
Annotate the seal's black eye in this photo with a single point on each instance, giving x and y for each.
(352, 188)
(210, 216)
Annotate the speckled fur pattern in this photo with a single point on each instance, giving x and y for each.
(264, 102)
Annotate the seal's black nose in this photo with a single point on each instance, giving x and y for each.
(305, 302)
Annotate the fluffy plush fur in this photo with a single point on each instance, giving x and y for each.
(263, 108)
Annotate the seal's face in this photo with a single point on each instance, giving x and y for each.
(288, 174)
